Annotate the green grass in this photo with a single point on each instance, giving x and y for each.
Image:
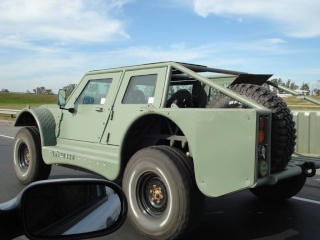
(19, 101)
(295, 103)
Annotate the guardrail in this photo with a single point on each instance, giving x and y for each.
(308, 126)
(11, 112)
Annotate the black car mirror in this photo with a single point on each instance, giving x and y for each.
(69, 208)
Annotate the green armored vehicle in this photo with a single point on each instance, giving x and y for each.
(171, 134)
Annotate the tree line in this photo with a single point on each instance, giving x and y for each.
(42, 90)
(291, 85)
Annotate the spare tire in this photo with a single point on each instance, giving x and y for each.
(283, 132)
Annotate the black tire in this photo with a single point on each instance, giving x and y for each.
(283, 132)
(167, 173)
(281, 191)
(27, 159)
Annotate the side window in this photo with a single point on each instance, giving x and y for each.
(95, 92)
(140, 89)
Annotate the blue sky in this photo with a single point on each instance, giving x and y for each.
(52, 43)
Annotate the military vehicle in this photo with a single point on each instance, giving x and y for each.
(171, 134)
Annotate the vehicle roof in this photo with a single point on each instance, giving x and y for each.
(152, 64)
(191, 66)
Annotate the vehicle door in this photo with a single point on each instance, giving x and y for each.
(138, 90)
(92, 106)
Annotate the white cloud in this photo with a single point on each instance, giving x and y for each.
(180, 51)
(62, 21)
(56, 69)
(299, 18)
(267, 46)
(15, 43)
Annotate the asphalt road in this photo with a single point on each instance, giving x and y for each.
(231, 217)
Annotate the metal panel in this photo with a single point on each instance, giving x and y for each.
(308, 131)
(98, 158)
(223, 147)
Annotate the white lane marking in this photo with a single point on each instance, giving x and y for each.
(306, 200)
(6, 136)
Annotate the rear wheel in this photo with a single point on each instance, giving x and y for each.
(283, 132)
(162, 194)
(27, 159)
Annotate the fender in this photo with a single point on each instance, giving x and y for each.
(43, 119)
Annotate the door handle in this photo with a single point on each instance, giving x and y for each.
(99, 109)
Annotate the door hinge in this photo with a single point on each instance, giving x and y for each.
(58, 125)
(111, 114)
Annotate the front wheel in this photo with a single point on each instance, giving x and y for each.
(27, 159)
(162, 194)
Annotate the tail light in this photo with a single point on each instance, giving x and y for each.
(263, 129)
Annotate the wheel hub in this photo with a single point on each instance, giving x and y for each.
(156, 194)
(152, 195)
(24, 157)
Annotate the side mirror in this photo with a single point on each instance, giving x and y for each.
(67, 209)
(61, 98)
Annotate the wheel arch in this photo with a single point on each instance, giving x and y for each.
(43, 119)
(151, 130)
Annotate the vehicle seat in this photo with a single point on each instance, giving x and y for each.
(137, 96)
(182, 98)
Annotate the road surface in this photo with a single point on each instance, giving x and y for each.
(235, 216)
